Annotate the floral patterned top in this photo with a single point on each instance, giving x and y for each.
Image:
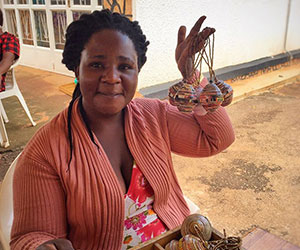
(141, 222)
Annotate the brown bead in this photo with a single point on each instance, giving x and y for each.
(197, 225)
(192, 242)
(172, 245)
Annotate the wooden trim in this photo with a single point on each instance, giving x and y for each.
(159, 242)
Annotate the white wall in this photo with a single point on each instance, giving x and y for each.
(293, 35)
(43, 58)
(245, 30)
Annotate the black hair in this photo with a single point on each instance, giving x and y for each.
(77, 36)
(1, 18)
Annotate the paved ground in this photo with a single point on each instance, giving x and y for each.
(256, 182)
(40, 91)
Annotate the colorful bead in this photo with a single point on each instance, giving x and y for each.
(226, 90)
(183, 95)
(211, 97)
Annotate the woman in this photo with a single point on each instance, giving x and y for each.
(100, 174)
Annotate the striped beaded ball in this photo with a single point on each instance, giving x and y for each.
(183, 95)
(172, 245)
(211, 97)
(226, 90)
(191, 242)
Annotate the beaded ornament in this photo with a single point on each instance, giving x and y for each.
(185, 95)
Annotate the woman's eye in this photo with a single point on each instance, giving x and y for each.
(96, 65)
(125, 67)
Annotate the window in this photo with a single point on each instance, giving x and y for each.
(42, 36)
(22, 2)
(41, 26)
(59, 25)
(58, 2)
(77, 14)
(38, 1)
(9, 1)
(82, 2)
(11, 22)
(26, 27)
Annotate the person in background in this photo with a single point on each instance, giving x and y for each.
(9, 52)
(100, 174)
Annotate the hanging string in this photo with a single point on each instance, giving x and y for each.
(197, 58)
(208, 58)
(212, 56)
(199, 63)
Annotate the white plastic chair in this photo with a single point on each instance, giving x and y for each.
(3, 135)
(194, 209)
(6, 206)
(12, 89)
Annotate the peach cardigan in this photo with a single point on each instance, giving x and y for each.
(85, 203)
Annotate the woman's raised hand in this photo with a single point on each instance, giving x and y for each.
(57, 244)
(190, 45)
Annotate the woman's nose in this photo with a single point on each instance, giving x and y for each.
(111, 75)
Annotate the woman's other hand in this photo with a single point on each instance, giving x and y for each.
(190, 45)
(57, 244)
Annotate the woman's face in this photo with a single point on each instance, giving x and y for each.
(108, 72)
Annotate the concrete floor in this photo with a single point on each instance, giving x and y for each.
(254, 183)
(41, 93)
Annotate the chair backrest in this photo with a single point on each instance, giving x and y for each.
(192, 206)
(15, 64)
(10, 79)
(4, 142)
(6, 205)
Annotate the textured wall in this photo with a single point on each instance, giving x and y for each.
(246, 30)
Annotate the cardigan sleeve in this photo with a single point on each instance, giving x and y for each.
(199, 136)
(39, 204)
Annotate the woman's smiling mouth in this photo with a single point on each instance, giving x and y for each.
(110, 94)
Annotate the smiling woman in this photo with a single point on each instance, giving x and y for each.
(100, 174)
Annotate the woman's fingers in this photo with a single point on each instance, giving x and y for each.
(188, 68)
(181, 34)
(180, 42)
(205, 33)
(188, 46)
(63, 244)
(57, 244)
(194, 31)
(46, 246)
(200, 40)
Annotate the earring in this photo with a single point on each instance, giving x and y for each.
(75, 80)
